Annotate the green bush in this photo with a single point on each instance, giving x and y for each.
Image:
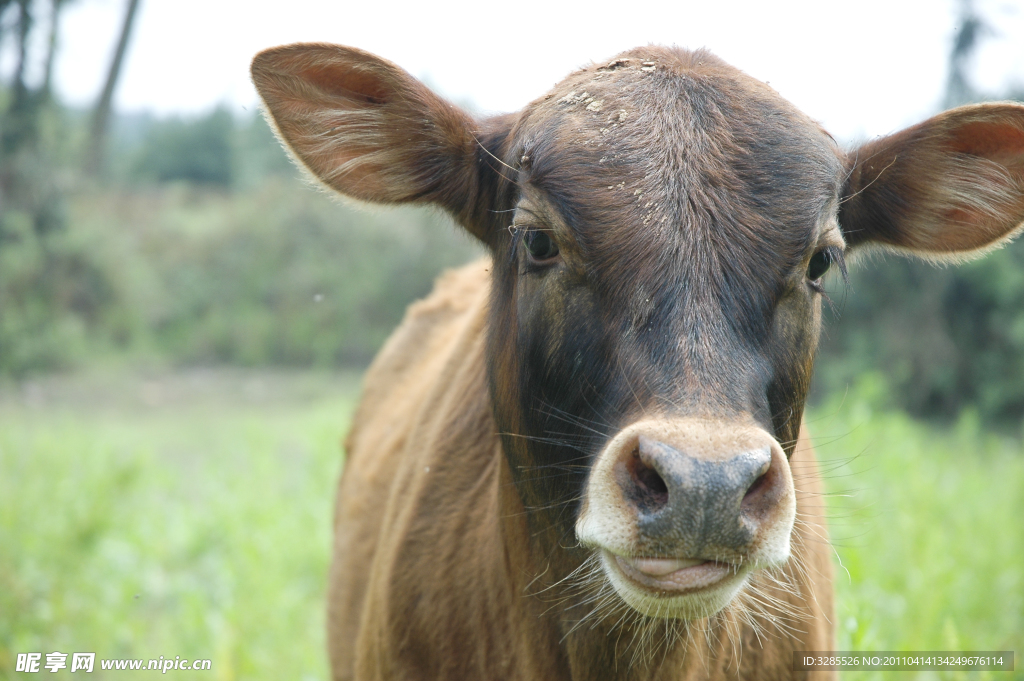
(213, 253)
(54, 291)
(200, 150)
(53, 297)
(278, 274)
(946, 338)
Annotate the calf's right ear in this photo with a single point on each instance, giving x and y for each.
(945, 189)
(368, 129)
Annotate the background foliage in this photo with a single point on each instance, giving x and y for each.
(205, 247)
(946, 339)
(200, 244)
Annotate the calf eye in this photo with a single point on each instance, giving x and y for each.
(820, 262)
(540, 245)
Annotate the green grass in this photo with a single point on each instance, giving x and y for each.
(928, 526)
(183, 518)
(189, 515)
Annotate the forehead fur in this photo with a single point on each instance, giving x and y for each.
(673, 167)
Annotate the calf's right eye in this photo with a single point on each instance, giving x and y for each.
(820, 262)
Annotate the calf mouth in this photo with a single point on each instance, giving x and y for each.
(679, 588)
(673, 576)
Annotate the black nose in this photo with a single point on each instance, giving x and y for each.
(697, 504)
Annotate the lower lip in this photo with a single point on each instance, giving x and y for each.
(673, 576)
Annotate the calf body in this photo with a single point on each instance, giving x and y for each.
(583, 457)
(434, 572)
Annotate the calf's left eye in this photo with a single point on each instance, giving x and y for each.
(540, 245)
(820, 262)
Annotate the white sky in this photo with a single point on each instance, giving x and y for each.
(861, 67)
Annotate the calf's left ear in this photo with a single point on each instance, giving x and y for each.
(366, 128)
(944, 189)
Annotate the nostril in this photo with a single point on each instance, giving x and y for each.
(758, 489)
(651, 490)
(753, 490)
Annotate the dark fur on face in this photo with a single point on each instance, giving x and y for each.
(686, 199)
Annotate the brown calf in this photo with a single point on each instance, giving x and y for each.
(583, 458)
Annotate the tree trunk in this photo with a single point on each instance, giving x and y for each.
(4, 4)
(18, 123)
(970, 30)
(24, 28)
(101, 116)
(51, 49)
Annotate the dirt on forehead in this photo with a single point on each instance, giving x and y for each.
(656, 104)
(617, 90)
(665, 136)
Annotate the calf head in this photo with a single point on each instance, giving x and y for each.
(659, 227)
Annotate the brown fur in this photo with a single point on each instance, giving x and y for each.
(455, 592)
(689, 204)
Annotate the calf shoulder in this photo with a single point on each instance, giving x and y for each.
(422, 584)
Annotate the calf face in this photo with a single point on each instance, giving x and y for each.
(654, 327)
(659, 226)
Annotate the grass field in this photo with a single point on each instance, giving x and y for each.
(189, 515)
(928, 527)
(184, 516)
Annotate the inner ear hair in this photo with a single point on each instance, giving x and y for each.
(948, 189)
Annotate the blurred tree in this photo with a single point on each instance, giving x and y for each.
(18, 120)
(971, 28)
(51, 288)
(200, 150)
(101, 114)
(946, 339)
(25, 186)
(51, 49)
